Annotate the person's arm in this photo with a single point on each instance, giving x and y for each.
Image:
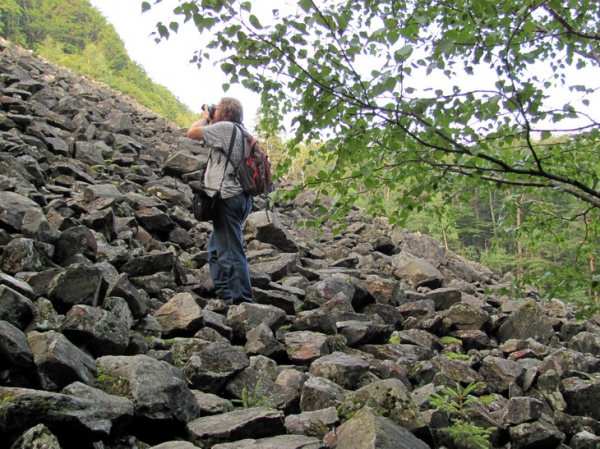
(195, 131)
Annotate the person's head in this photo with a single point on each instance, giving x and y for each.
(230, 110)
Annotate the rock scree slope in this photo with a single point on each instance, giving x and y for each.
(111, 336)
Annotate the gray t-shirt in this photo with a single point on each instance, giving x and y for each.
(216, 139)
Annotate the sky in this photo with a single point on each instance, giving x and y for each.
(167, 63)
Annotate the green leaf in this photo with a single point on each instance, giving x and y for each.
(255, 22)
(146, 6)
(306, 5)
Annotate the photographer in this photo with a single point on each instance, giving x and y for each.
(226, 257)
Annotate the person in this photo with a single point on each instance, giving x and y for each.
(226, 258)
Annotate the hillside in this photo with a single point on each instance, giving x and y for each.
(111, 336)
(74, 34)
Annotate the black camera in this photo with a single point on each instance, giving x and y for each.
(211, 108)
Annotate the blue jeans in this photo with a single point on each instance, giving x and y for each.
(226, 257)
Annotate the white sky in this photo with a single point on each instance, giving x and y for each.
(167, 63)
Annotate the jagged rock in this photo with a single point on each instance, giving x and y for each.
(62, 414)
(537, 434)
(211, 404)
(158, 391)
(73, 241)
(584, 440)
(368, 429)
(237, 425)
(261, 340)
(14, 347)
(466, 317)
(306, 346)
(385, 291)
(212, 367)
(319, 393)
(345, 370)
(315, 424)
(78, 284)
(121, 287)
(13, 208)
(499, 373)
(527, 322)
(97, 330)
(391, 399)
(522, 409)
(23, 255)
(317, 320)
(15, 308)
(416, 271)
(181, 316)
(586, 342)
(270, 230)
(262, 391)
(247, 316)
(59, 361)
(37, 437)
(582, 397)
(118, 409)
(279, 442)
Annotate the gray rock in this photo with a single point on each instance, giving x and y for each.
(537, 434)
(211, 368)
(317, 320)
(247, 316)
(319, 393)
(345, 370)
(13, 208)
(582, 397)
(315, 424)
(38, 436)
(369, 430)
(78, 284)
(97, 330)
(15, 308)
(237, 425)
(528, 321)
(180, 316)
(270, 230)
(416, 271)
(253, 388)
(278, 442)
(499, 373)
(391, 398)
(522, 409)
(118, 409)
(14, 347)
(261, 340)
(63, 415)
(59, 361)
(158, 390)
(22, 255)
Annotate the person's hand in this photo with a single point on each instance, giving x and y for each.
(205, 114)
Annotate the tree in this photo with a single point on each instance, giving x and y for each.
(366, 77)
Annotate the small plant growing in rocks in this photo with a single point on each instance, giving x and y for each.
(457, 403)
(252, 400)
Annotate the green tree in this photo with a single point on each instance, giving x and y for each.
(364, 77)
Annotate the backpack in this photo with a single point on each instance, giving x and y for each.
(254, 172)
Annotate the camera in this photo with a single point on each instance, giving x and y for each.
(211, 108)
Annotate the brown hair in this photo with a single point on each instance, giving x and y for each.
(231, 110)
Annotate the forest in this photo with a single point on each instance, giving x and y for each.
(495, 172)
